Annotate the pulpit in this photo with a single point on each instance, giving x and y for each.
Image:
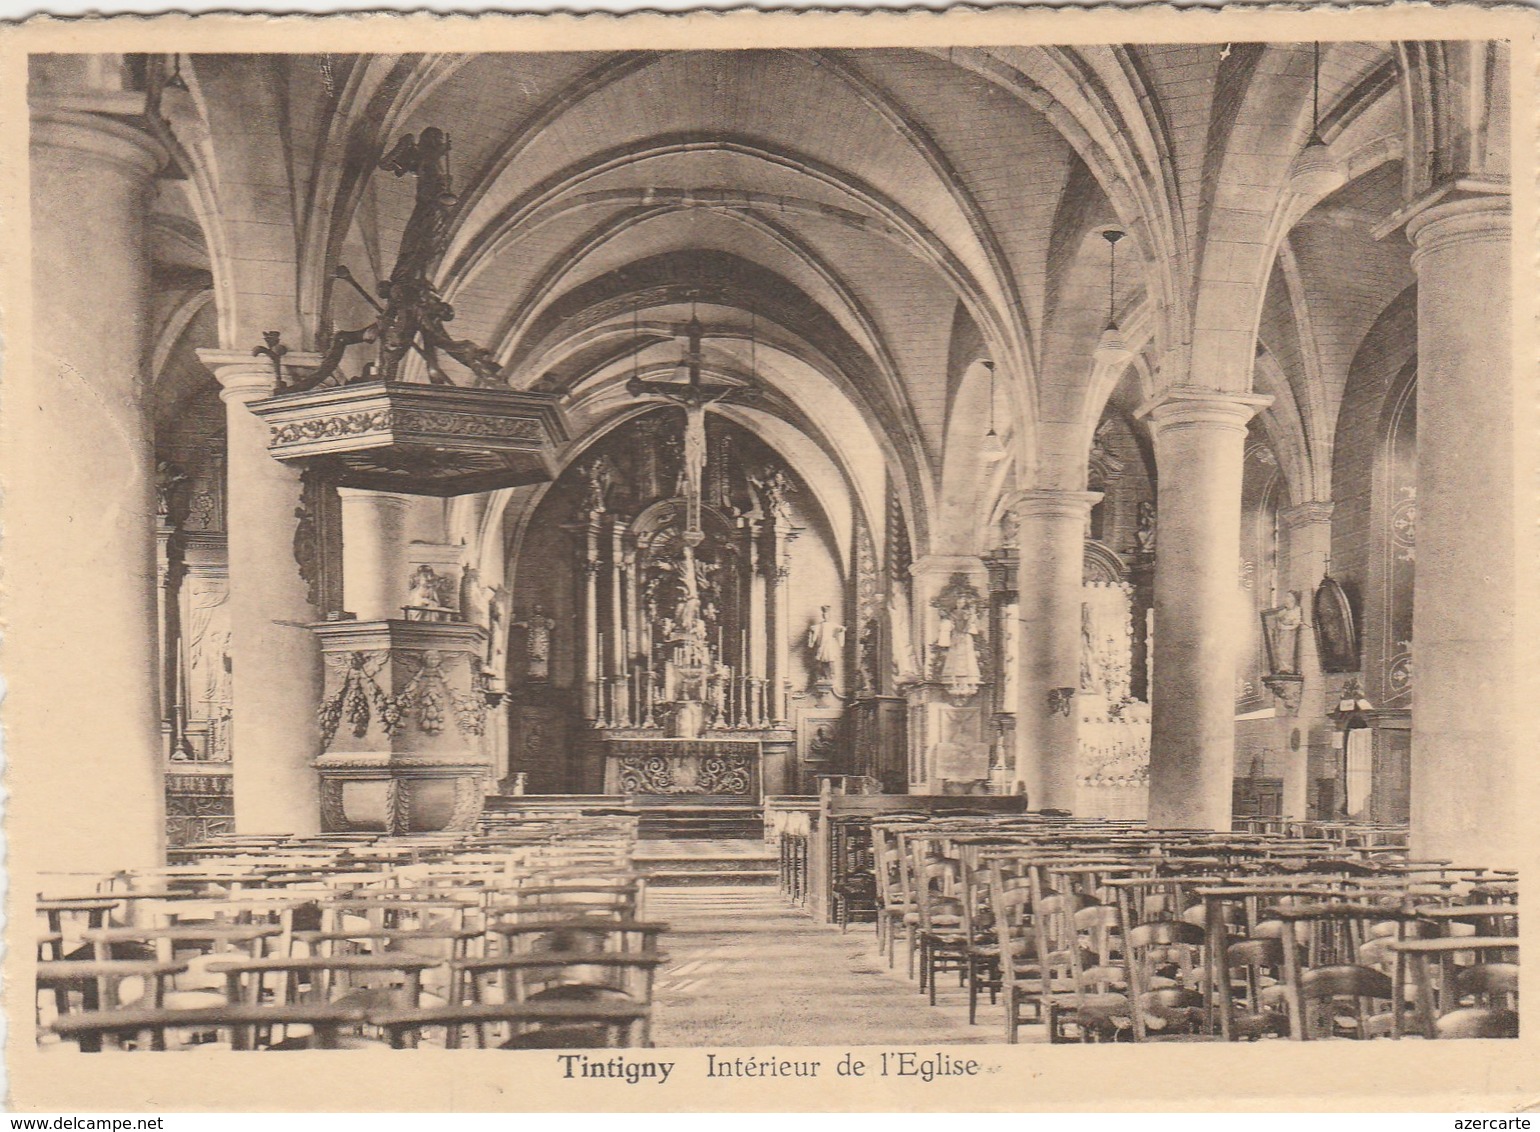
(402, 717)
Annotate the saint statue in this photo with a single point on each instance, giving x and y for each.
(774, 489)
(906, 669)
(1144, 537)
(597, 479)
(537, 627)
(1092, 680)
(1283, 627)
(958, 635)
(826, 641)
(167, 477)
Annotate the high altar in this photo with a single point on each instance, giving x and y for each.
(679, 640)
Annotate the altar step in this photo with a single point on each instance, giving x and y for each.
(699, 862)
(683, 821)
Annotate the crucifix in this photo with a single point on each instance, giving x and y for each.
(693, 395)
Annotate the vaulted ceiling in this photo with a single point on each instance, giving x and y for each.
(860, 228)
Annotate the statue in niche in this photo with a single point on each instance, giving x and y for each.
(1092, 679)
(537, 643)
(774, 489)
(473, 597)
(1144, 537)
(1010, 529)
(959, 605)
(497, 634)
(167, 477)
(1282, 627)
(826, 641)
(209, 668)
(866, 658)
(906, 669)
(597, 480)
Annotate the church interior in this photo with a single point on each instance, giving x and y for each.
(499, 526)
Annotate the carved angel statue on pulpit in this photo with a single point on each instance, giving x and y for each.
(429, 596)
(826, 641)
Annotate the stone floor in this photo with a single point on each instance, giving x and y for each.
(747, 969)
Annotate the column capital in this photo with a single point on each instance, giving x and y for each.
(364, 495)
(245, 378)
(1453, 197)
(938, 565)
(1182, 407)
(1307, 514)
(1052, 503)
(107, 139)
(1457, 219)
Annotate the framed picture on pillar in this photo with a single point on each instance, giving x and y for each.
(1336, 632)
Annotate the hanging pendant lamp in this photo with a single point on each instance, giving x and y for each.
(1112, 347)
(1316, 172)
(994, 448)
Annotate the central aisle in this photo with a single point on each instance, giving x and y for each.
(745, 969)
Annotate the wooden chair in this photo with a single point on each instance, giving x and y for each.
(583, 976)
(146, 1028)
(616, 1024)
(943, 945)
(1438, 980)
(366, 982)
(1010, 896)
(895, 909)
(108, 984)
(1336, 996)
(199, 945)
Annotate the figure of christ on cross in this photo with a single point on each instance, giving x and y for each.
(693, 395)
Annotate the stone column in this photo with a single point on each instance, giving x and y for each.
(1049, 581)
(1466, 781)
(1199, 441)
(277, 659)
(82, 720)
(374, 568)
(1309, 547)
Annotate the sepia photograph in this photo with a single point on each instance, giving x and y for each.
(674, 554)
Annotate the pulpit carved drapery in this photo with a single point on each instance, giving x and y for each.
(401, 720)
